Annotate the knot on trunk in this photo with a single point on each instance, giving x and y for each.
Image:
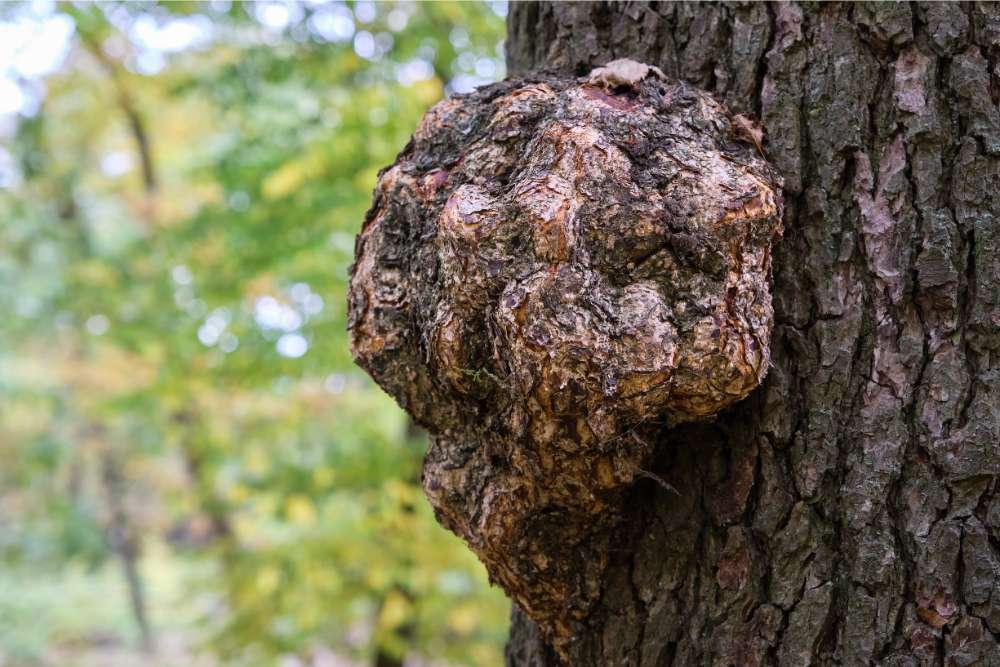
(551, 268)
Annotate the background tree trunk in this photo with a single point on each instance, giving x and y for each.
(848, 512)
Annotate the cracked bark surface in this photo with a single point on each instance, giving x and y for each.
(848, 511)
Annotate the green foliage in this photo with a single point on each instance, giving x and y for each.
(178, 227)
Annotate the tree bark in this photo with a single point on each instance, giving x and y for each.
(848, 511)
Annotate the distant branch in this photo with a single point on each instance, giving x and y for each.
(127, 104)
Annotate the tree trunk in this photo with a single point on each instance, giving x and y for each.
(124, 542)
(847, 512)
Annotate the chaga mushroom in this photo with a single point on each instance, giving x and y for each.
(552, 269)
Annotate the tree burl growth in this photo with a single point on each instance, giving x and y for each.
(552, 270)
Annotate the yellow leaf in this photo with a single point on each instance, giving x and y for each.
(323, 476)
(429, 91)
(395, 611)
(257, 461)
(286, 179)
(365, 178)
(290, 176)
(486, 654)
(268, 580)
(376, 577)
(463, 619)
(245, 528)
(400, 492)
(238, 492)
(300, 509)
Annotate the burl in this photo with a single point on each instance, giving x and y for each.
(553, 270)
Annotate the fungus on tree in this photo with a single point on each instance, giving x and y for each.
(552, 270)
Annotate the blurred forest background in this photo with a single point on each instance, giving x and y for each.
(192, 471)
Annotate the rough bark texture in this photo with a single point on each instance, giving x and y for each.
(848, 512)
(553, 270)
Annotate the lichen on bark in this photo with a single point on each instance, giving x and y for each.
(552, 269)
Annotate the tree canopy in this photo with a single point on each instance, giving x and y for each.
(180, 187)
